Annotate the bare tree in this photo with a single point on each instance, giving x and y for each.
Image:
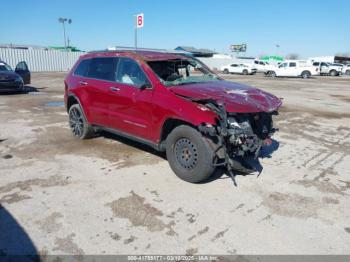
(292, 56)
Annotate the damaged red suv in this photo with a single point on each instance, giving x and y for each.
(171, 102)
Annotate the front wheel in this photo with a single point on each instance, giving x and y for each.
(189, 154)
(245, 72)
(347, 72)
(78, 123)
(272, 74)
(226, 71)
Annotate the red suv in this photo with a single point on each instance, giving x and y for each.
(171, 102)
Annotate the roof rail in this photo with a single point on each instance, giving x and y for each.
(125, 48)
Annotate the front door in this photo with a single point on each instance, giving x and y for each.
(130, 105)
(23, 71)
(282, 70)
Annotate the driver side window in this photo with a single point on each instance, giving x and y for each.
(130, 73)
(283, 65)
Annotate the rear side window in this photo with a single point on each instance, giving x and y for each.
(103, 68)
(82, 68)
(292, 64)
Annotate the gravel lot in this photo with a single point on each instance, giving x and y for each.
(111, 196)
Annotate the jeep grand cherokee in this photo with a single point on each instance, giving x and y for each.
(173, 103)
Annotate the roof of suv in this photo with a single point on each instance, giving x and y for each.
(147, 55)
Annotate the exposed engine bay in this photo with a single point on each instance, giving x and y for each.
(238, 136)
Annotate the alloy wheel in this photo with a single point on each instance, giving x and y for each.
(76, 122)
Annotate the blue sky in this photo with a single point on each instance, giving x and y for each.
(306, 27)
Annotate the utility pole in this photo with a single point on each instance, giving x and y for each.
(135, 38)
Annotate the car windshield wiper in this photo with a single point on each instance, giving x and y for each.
(186, 83)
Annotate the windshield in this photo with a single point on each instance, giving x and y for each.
(5, 67)
(182, 72)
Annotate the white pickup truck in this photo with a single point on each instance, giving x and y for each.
(294, 69)
(328, 68)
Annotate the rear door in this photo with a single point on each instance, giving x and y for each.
(23, 70)
(131, 103)
(100, 79)
(324, 69)
(292, 69)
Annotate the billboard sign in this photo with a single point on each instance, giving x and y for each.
(238, 48)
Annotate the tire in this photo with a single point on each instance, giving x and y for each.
(78, 123)
(305, 74)
(189, 154)
(226, 71)
(245, 72)
(347, 72)
(272, 73)
(333, 73)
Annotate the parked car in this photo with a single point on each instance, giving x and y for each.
(262, 66)
(328, 69)
(173, 103)
(238, 69)
(294, 69)
(13, 80)
(346, 70)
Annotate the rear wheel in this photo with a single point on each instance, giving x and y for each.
(333, 73)
(226, 71)
(78, 123)
(189, 154)
(347, 72)
(305, 74)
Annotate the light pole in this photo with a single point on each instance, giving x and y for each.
(277, 49)
(63, 21)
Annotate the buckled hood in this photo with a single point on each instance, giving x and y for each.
(238, 98)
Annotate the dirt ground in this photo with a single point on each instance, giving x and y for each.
(108, 195)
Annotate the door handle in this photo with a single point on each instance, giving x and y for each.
(83, 83)
(115, 89)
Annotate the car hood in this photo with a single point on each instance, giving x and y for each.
(7, 75)
(238, 98)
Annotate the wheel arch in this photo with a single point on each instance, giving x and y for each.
(72, 100)
(169, 124)
(306, 71)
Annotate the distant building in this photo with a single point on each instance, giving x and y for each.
(23, 47)
(201, 52)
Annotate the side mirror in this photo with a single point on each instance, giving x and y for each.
(145, 86)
